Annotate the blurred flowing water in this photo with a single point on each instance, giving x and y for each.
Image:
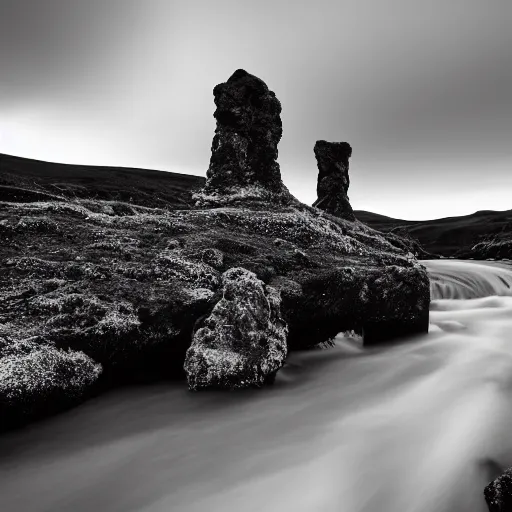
(468, 280)
(419, 426)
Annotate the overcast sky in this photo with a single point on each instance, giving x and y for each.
(420, 89)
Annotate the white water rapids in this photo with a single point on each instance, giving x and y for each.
(420, 426)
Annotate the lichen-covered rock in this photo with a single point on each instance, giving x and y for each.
(213, 257)
(36, 379)
(498, 494)
(243, 165)
(333, 180)
(381, 302)
(243, 341)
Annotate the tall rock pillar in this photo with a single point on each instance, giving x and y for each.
(243, 165)
(333, 180)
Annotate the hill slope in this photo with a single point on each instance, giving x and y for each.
(452, 236)
(25, 180)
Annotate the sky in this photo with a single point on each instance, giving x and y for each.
(420, 89)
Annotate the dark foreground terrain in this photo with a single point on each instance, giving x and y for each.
(123, 284)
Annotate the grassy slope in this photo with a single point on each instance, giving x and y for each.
(450, 235)
(22, 179)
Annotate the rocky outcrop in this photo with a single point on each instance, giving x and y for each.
(243, 165)
(130, 286)
(38, 379)
(498, 494)
(243, 341)
(333, 180)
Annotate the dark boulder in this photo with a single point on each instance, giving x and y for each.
(243, 340)
(382, 302)
(243, 165)
(36, 379)
(498, 494)
(333, 180)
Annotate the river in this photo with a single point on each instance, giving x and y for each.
(419, 426)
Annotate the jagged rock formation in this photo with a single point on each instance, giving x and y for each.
(243, 340)
(498, 494)
(36, 379)
(333, 180)
(244, 164)
(127, 284)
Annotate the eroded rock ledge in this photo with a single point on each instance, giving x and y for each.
(121, 291)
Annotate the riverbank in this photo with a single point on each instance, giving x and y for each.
(421, 426)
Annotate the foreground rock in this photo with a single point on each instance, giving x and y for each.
(244, 164)
(333, 180)
(37, 379)
(243, 340)
(498, 494)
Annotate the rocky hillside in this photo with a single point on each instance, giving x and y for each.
(109, 278)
